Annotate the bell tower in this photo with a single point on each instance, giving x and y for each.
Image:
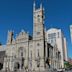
(38, 21)
(38, 35)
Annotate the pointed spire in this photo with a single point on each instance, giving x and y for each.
(41, 5)
(34, 5)
(34, 2)
(22, 30)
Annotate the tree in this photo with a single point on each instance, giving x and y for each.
(67, 64)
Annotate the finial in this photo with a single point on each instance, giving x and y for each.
(34, 5)
(13, 31)
(22, 30)
(41, 5)
(8, 31)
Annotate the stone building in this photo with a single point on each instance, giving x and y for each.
(71, 32)
(32, 53)
(2, 55)
(29, 52)
(56, 38)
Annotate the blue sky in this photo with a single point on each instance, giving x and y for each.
(17, 14)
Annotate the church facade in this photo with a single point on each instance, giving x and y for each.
(26, 52)
(30, 52)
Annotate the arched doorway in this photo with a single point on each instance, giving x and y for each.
(22, 55)
(16, 66)
(1, 66)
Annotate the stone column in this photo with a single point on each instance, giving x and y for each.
(4, 64)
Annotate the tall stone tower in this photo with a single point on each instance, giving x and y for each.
(38, 35)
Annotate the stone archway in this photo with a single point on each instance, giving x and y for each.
(1, 66)
(22, 52)
(21, 55)
(16, 66)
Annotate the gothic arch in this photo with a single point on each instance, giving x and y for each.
(22, 52)
(22, 55)
(1, 66)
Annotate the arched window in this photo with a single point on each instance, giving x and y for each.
(22, 52)
(38, 60)
(30, 60)
(1, 66)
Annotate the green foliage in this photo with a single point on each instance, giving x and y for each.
(67, 65)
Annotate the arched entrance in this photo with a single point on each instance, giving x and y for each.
(1, 66)
(21, 55)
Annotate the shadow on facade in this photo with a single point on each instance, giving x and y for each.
(1, 66)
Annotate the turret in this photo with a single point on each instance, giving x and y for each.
(34, 6)
(10, 37)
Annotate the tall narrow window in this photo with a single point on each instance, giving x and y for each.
(22, 53)
(38, 60)
(30, 59)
